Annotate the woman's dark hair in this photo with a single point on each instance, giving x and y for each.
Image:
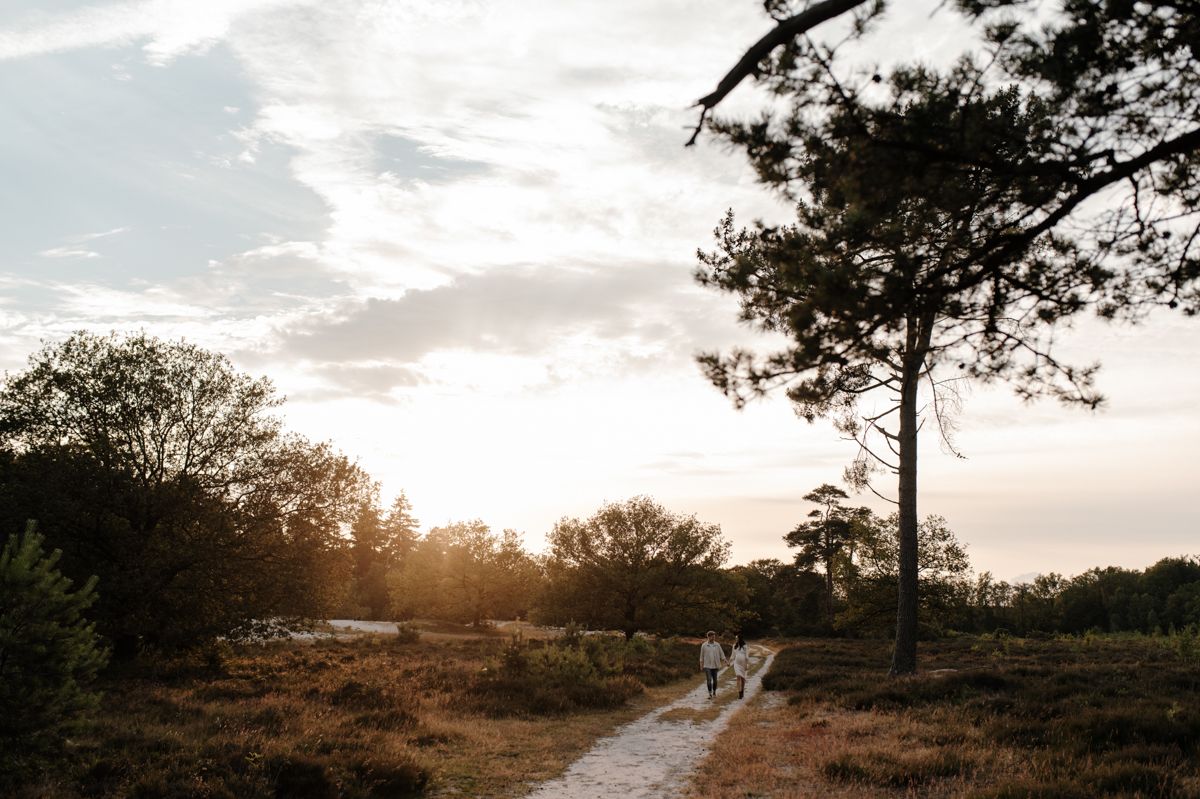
(740, 643)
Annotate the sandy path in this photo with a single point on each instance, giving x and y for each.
(654, 756)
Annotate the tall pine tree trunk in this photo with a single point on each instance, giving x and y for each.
(904, 656)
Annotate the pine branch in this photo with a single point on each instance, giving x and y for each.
(784, 32)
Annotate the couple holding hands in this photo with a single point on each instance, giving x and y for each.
(712, 658)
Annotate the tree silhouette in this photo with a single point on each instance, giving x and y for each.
(929, 241)
(160, 468)
(637, 566)
(825, 538)
(380, 543)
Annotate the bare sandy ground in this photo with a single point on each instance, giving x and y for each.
(654, 756)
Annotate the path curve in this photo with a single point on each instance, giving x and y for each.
(654, 756)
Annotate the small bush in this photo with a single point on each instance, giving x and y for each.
(573, 634)
(393, 780)
(358, 696)
(407, 633)
(302, 778)
(549, 680)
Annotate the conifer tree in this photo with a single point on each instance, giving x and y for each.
(49, 653)
(943, 224)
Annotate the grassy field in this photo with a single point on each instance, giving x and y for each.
(987, 718)
(376, 716)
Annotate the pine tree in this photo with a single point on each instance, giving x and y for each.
(49, 653)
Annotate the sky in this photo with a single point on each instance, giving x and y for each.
(459, 236)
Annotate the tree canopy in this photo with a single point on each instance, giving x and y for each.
(635, 566)
(159, 467)
(463, 572)
(828, 538)
(380, 545)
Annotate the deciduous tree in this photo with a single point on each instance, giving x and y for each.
(463, 572)
(943, 568)
(159, 467)
(781, 599)
(636, 566)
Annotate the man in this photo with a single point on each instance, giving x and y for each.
(712, 658)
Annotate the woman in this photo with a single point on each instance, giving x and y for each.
(741, 663)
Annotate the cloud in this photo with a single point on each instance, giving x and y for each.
(172, 27)
(375, 382)
(104, 234)
(516, 311)
(72, 250)
(455, 137)
(68, 252)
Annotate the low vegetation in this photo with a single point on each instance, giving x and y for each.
(373, 717)
(991, 718)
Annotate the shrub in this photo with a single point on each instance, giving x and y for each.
(407, 633)
(573, 633)
(302, 778)
(393, 780)
(358, 696)
(907, 771)
(549, 680)
(48, 653)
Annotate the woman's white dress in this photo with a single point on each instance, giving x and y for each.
(741, 661)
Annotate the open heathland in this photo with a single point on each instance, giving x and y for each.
(990, 718)
(379, 716)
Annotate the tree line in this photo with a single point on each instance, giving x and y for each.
(163, 477)
(159, 470)
(843, 581)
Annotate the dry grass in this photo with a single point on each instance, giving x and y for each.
(990, 719)
(368, 717)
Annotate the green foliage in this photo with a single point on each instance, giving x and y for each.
(49, 653)
(636, 566)
(1162, 598)
(163, 470)
(380, 544)
(942, 565)
(465, 573)
(598, 671)
(830, 539)
(781, 599)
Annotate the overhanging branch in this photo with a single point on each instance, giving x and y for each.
(781, 34)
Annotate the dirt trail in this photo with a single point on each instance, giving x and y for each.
(654, 756)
